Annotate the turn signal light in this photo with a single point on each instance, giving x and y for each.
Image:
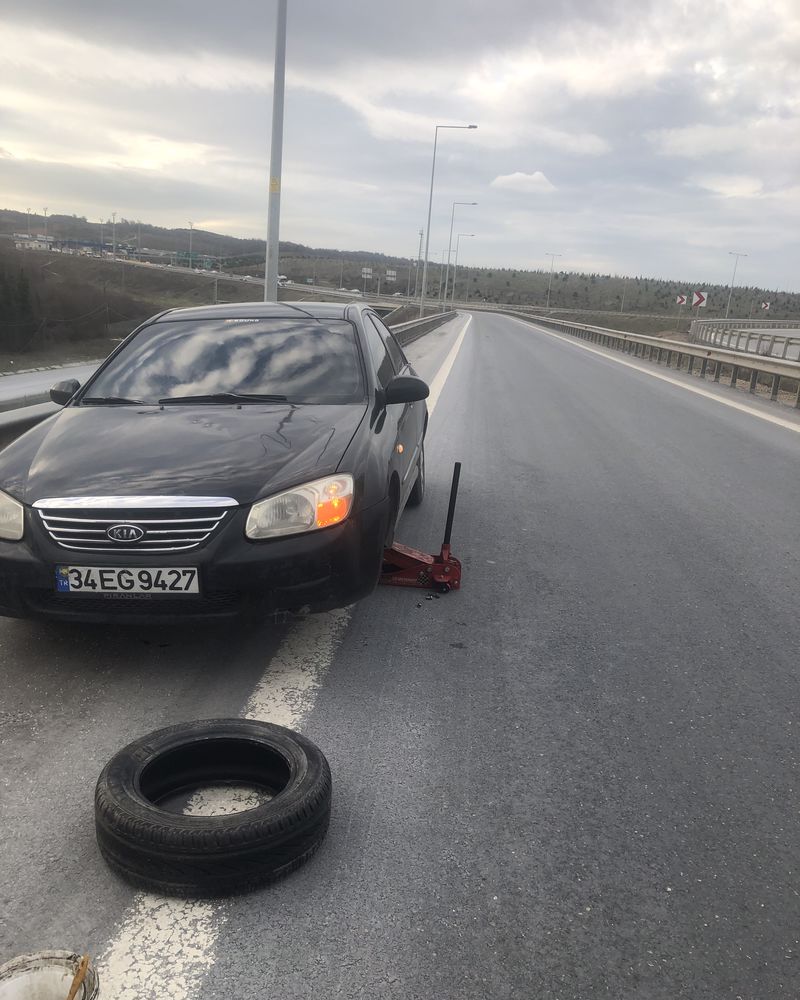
(333, 511)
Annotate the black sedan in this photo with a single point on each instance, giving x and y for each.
(247, 460)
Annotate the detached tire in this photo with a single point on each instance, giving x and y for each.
(184, 855)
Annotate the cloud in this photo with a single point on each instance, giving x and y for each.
(731, 186)
(535, 183)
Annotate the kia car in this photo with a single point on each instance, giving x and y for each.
(243, 460)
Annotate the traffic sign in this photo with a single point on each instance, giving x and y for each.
(699, 299)
(366, 272)
(765, 305)
(681, 300)
(391, 275)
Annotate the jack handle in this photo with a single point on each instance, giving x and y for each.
(452, 506)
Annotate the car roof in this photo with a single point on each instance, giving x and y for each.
(264, 310)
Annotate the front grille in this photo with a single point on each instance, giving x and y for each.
(78, 526)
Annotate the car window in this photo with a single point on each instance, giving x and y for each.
(381, 361)
(398, 358)
(305, 360)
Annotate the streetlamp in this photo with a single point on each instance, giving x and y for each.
(275, 160)
(430, 206)
(736, 257)
(450, 246)
(552, 257)
(191, 230)
(102, 238)
(29, 223)
(455, 267)
(45, 225)
(114, 234)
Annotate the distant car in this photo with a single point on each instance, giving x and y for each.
(397, 295)
(243, 460)
(355, 291)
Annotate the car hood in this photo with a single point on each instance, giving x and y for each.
(196, 450)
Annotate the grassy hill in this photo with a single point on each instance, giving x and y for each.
(49, 301)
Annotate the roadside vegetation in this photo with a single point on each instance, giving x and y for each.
(59, 306)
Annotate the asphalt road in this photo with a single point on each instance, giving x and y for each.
(575, 778)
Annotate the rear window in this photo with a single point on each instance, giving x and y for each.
(305, 360)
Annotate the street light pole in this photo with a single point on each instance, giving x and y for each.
(736, 257)
(29, 223)
(419, 264)
(552, 257)
(430, 207)
(276, 160)
(114, 233)
(450, 246)
(45, 225)
(455, 268)
(191, 231)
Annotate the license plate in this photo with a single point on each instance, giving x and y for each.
(110, 580)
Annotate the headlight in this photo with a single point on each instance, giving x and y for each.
(12, 520)
(305, 508)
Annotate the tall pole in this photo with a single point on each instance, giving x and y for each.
(455, 268)
(114, 233)
(45, 225)
(450, 246)
(430, 207)
(29, 222)
(552, 257)
(102, 237)
(624, 283)
(341, 272)
(736, 257)
(191, 231)
(139, 238)
(276, 160)
(419, 263)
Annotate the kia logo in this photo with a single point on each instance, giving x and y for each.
(125, 533)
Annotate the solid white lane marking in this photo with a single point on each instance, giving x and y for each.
(439, 380)
(732, 403)
(164, 947)
(285, 694)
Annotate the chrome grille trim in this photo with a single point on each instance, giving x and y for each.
(78, 532)
(135, 502)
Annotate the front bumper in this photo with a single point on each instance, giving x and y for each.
(257, 581)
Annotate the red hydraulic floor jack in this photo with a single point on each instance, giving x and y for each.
(407, 567)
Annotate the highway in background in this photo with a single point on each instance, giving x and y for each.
(575, 778)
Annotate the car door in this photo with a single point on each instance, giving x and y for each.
(411, 416)
(386, 422)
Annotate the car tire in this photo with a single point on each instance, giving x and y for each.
(417, 494)
(182, 855)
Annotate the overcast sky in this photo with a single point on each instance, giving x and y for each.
(631, 137)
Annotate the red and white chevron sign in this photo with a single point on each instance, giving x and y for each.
(681, 300)
(699, 299)
(765, 305)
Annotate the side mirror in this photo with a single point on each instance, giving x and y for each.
(405, 389)
(62, 392)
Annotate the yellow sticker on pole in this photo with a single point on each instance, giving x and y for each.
(274, 185)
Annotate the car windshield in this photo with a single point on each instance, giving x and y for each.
(302, 360)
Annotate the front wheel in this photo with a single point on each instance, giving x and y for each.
(417, 494)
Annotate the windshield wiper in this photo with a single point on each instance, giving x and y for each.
(225, 397)
(112, 399)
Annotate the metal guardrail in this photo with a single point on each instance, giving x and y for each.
(407, 333)
(654, 348)
(750, 336)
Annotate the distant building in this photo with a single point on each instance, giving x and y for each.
(33, 243)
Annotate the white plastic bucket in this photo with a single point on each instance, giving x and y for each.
(46, 975)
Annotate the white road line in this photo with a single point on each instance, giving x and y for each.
(163, 947)
(441, 376)
(732, 403)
